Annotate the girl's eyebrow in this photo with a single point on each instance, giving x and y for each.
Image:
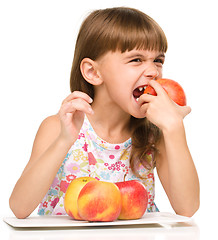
(137, 54)
(132, 55)
(162, 55)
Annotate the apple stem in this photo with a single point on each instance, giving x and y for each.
(124, 179)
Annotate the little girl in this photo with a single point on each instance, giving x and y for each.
(107, 128)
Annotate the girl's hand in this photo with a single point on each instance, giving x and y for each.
(161, 110)
(72, 113)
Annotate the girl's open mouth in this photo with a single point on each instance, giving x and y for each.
(139, 91)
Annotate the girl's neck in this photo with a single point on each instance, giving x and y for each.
(110, 123)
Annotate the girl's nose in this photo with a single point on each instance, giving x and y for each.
(151, 71)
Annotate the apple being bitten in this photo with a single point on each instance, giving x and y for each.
(134, 199)
(172, 88)
(71, 196)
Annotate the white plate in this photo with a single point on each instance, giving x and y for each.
(65, 221)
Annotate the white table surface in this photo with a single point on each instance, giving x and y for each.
(195, 229)
(161, 218)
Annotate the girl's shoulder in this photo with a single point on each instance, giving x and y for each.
(50, 127)
(45, 136)
(47, 132)
(51, 122)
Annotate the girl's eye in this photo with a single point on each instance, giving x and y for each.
(136, 60)
(159, 60)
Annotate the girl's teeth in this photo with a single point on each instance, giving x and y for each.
(142, 88)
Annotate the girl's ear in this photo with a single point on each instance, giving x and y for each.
(89, 71)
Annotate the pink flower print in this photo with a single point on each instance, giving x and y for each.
(59, 213)
(111, 156)
(81, 135)
(149, 196)
(73, 168)
(91, 158)
(63, 186)
(106, 164)
(127, 170)
(70, 177)
(54, 202)
(117, 147)
(85, 147)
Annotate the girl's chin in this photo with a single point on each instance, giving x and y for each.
(139, 116)
(137, 113)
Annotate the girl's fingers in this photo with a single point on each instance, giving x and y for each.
(144, 108)
(186, 110)
(76, 105)
(148, 97)
(145, 98)
(157, 87)
(78, 94)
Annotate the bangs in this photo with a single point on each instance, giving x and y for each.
(138, 38)
(125, 30)
(136, 32)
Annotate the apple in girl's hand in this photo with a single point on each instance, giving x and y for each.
(99, 201)
(134, 198)
(172, 88)
(71, 196)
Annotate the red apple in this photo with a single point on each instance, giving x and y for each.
(172, 88)
(134, 199)
(71, 196)
(99, 201)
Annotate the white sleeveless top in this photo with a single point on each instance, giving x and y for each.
(92, 156)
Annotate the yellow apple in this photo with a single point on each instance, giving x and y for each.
(71, 196)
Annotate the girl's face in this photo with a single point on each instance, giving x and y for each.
(125, 75)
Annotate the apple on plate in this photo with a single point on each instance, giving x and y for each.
(71, 196)
(172, 88)
(134, 199)
(99, 201)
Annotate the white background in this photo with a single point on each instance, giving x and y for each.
(36, 51)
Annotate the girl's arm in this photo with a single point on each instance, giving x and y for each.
(177, 172)
(47, 155)
(175, 166)
(53, 140)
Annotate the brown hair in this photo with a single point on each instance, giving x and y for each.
(121, 29)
